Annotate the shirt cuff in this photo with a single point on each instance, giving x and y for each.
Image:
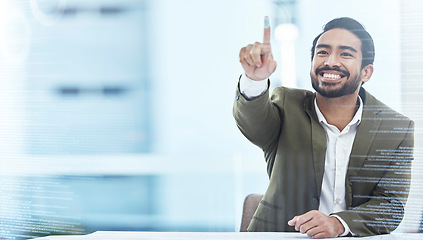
(347, 229)
(250, 88)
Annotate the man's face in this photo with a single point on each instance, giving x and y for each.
(336, 66)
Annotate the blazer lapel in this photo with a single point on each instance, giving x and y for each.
(366, 133)
(318, 139)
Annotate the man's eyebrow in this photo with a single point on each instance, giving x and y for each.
(340, 47)
(348, 48)
(324, 46)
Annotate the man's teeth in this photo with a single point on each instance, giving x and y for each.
(334, 76)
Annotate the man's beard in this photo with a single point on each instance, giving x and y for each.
(349, 86)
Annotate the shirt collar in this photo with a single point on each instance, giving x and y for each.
(356, 119)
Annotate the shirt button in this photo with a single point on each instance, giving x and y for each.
(315, 201)
(338, 201)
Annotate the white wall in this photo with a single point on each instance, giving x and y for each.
(196, 45)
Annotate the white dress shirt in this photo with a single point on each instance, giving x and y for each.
(250, 88)
(338, 150)
(339, 145)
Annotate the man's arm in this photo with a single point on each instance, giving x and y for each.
(256, 117)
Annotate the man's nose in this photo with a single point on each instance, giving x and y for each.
(332, 60)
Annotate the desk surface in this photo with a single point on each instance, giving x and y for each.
(215, 236)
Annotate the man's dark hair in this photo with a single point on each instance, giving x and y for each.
(367, 46)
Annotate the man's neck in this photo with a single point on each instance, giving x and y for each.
(338, 111)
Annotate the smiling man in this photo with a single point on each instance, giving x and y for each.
(338, 159)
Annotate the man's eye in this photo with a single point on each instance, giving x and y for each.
(322, 52)
(345, 54)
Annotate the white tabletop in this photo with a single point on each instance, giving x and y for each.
(105, 235)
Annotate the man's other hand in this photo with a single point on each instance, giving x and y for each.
(317, 225)
(257, 59)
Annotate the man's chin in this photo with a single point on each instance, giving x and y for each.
(330, 84)
(330, 90)
(334, 93)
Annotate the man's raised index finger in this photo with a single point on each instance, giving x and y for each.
(266, 35)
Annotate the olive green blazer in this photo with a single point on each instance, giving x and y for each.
(286, 128)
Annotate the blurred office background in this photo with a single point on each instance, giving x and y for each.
(117, 114)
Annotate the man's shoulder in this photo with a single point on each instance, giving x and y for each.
(374, 106)
(284, 93)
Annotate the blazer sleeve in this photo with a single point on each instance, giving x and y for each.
(258, 119)
(382, 210)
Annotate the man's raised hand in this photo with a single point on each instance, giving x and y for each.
(257, 59)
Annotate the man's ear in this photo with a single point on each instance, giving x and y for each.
(366, 73)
